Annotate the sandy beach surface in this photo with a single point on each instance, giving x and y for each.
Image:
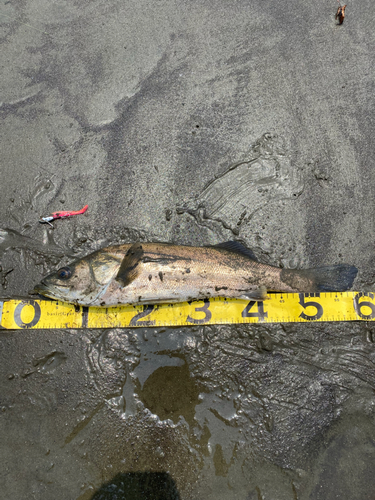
(192, 123)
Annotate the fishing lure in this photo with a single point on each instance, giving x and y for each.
(61, 215)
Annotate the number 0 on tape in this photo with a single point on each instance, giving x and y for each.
(279, 308)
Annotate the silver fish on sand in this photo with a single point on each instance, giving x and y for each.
(151, 273)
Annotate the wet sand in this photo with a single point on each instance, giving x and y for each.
(190, 123)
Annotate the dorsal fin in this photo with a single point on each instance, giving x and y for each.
(131, 265)
(237, 247)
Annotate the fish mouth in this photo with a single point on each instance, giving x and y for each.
(40, 288)
(43, 291)
(46, 290)
(53, 292)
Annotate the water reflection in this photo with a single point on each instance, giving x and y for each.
(170, 392)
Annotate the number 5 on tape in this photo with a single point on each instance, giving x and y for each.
(310, 304)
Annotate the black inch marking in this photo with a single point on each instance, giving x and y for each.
(85, 316)
(304, 304)
(207, 314)
(1, 314)
(146, 311)
(18, 311)
(358, 305)
(261, 314)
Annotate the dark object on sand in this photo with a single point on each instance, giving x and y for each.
(340, 14)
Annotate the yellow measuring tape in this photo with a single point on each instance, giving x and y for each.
(279, 308)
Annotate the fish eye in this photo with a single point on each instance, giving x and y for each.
(64, 273)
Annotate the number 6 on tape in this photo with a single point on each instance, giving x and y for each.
(364, 303)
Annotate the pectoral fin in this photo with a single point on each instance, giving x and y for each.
(131, 265)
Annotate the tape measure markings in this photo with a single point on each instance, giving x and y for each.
(279, 308)
(1, 311)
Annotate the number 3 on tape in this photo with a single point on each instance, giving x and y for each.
(204, 309)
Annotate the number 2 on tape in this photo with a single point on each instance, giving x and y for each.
(146, 311)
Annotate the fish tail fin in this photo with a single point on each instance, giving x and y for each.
(333, 278)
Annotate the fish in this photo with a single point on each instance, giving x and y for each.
(153, 273)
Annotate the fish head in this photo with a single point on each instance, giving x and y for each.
(83, 281)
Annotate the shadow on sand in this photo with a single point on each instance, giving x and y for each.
(138, 486)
